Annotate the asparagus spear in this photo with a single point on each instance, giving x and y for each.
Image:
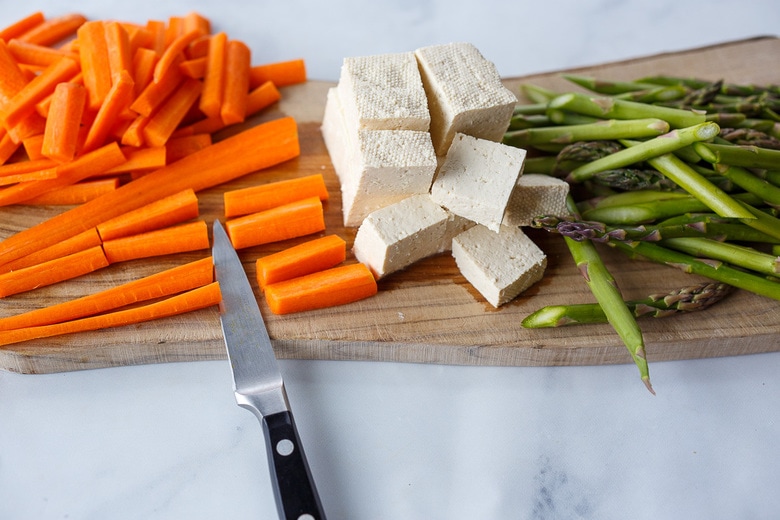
(601, 130)
(736, 255)
(688, 299)
(739, 155)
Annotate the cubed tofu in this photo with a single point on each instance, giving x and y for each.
(498, 265)
(396, 236)
(384, 92)
(465, 94)
(338, 139)
(536, 195)
(477, 178)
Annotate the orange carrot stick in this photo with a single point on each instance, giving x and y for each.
(156, 29)
(282, 73)
(37, 55)
(179, 147)
(208, 125)
(163, 122)
(256, 148)
(266, 196)
(199, 48)
(238, 60)
(116, 100)
(133, 134)
(328, 288)
(140, 160)
(191, 275)
(306, 258)
(61, 133)
(188, 301)
(31, 125)
(8, 146)
(54, 30)
(144, 61)
(17, 167)
(78, 193)
(119, 50)
(262, 97)
(173, 29)
(51, 272)
(194, 20)
(167, 241)
(194, 68)
(156, 93)
(80, 242)
(296, 219)
(173, 52)
(12, 79)
(38, 175)
(214, 81)
(95, 65)
(156, 215)
(33, 146)
(21, 26)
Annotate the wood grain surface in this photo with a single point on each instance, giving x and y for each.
(427, 313)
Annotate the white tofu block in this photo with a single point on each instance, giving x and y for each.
(400, 234)
(536, 195)
(477, 178)
(338, 139)
(465, 94)
(384, 92)
(499, 265)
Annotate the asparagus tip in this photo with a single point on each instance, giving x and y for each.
(646, 381)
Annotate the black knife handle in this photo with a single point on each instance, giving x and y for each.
(296, 494)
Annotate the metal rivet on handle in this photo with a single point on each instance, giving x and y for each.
(285, 447)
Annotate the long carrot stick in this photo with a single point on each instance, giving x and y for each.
(194, 68)
(270, 195)
(21, 26)
(37, 175)
(194, 20)
(296, 219)
(119, 51)
(156, 93)
(53, 271)
(63, 123)
(162, 213)
(171, 281)
(74, 194)
(238, 60)
(18, 167)
(306, 258)
(282, 73)
(167, 241)
(261, 97)
(80, 242)
(140, 160)
(163, 122)
(214, 82)
(179, 147)
(12, 79)
(116, 100)
(144, 61)
(334, 286)
(173, 52)
(254, 149)
(192, 300)
(95, 64)
(8, 146)
(37, 55)
(54, 30)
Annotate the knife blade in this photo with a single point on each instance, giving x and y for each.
(259, 386)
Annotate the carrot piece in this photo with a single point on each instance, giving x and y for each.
(163, 122)
(262, 97)
(33, 146)
(38, 175)
(194, 20)
(17, 167)
(199, 48)
(266, 196)
(119, 50)
(8, 146)
(191, 275)
(238, 60)
(306, 258)
(282, 73)
(173, 52)
(156, 93)
(23, 103)
(78, 193)
(12, 79)
(162, 213)
(95, 64)
(214, 81)
(296, 219)
(335, 286)
(179, 147)
(31, 125)
(173, 29)
(140, 160)
(208, 125)
(80, 242)
(144, 61)
(133, 134)
(253, 149)
(92, 163)
(37, 55)
(116, 100)
(194, 67)
(61, 133)
(166, 241)
(54, 30)
(52, 271)
(194, 299)
(21, 26)
(156, 29)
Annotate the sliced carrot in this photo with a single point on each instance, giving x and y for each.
(167, 241)
(54, 30)
(120, 56)
(132, 135)
(144, 61)
(163, 122)
(262, 97)
(173, 29)
(140, 160)
(208, 125)
(194, 20)
(53, 271)
(174, 52)
(194, 68)
(92, 163)
(61, 133)
(17, 167)
(80, 242)
(306, 258)
(38, 175)
(238, 60)
(156, 215)
(266, 196)
(8, 146)
(95, 63)
(199, 48)
(156, 93)
(33, 146)
(37, 55)
(256, 148)
(296, 219)
(21, 26)
(33, 124)
(282, 73)
(12, 79)
(335, 286)
(195, 299)
(165, 283)
(156, 29)
(74, 194)
(214, 81)
(116, 100)
(179, 147)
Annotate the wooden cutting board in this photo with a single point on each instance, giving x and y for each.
(427, 313)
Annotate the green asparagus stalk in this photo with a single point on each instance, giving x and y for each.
(646, 150)
(734, 254)
(655, 94)
(602, 130)
(537, 94)
(562, 117)
(688, 299)
(751, 183)
(739, 155)
(633, 179)
(600, 86)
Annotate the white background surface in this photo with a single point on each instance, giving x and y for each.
(395, 441)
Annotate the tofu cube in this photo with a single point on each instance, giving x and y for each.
(499, 265)
(477, 178)
(465, 94)
(536, 195)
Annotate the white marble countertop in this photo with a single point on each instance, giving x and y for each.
(403, 441)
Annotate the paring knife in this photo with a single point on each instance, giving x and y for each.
(259, 386)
